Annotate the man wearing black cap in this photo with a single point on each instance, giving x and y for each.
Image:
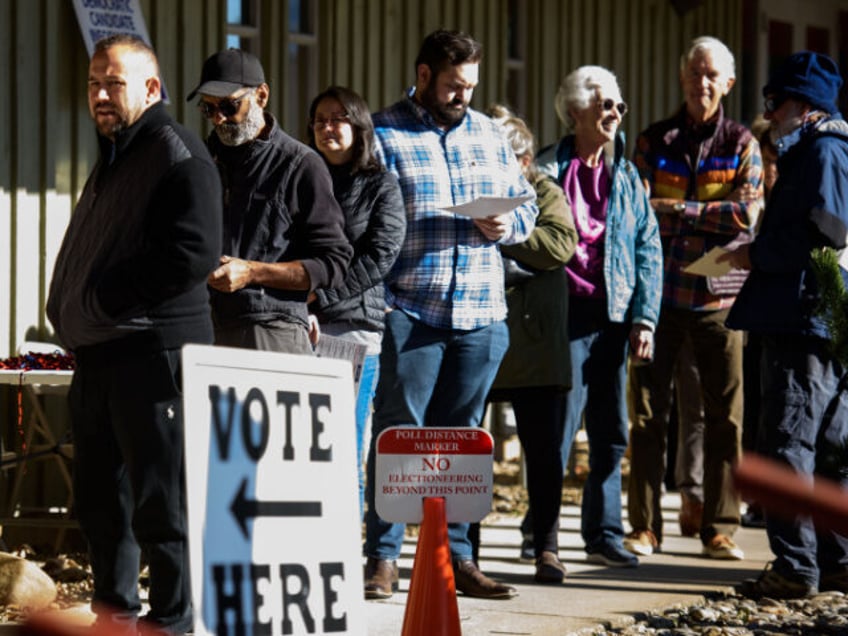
(804, 420)
(283, 229)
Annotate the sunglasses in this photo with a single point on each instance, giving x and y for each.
(771, 104)
(608, 104)
(227, 107)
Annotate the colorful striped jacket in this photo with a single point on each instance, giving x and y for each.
(727, 157)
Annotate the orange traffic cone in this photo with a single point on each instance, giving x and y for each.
(431, 608)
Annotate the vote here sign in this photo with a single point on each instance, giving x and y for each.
(273, 495)
(415, 462)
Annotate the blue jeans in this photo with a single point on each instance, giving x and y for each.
(429, 377)
(367, 384)
(598, 387)
(803, 421)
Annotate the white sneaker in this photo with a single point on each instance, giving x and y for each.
(722, 547)
(641, 542)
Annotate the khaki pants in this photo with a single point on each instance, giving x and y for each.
(718, 357)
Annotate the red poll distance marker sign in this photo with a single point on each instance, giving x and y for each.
(415, 462)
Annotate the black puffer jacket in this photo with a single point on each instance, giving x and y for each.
(375, 224)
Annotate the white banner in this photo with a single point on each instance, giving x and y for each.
(101, 18)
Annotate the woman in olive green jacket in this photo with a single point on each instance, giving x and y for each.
(536, 372)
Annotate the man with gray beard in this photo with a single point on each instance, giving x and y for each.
(283, 229)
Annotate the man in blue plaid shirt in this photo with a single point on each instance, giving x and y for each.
(445, 331)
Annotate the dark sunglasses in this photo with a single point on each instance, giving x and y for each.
(771, 104)
(227, 107)
(609, 103)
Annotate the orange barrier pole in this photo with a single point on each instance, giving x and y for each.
(783, 492)
(52, 623)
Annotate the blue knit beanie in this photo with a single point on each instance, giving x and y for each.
(810, 77)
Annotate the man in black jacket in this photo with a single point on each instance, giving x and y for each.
(283, 229)
(128, 291)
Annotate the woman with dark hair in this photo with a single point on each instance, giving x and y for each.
(340, 129)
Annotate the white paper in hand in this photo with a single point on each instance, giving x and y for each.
(482, 207)
(707, 266)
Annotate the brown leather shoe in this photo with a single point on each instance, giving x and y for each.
(381, 578)
(549, 569)
(472, 582)
(691, 512)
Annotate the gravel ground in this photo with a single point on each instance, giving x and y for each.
(824, 614)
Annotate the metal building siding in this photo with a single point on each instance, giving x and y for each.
(639, 40)
(48, 145)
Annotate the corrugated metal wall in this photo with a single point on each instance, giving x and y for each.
(371, 46)
(47, 141)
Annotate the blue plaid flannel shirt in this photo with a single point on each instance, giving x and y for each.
(448, 275)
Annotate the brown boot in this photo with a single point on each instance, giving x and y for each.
(472, 582)
(381, 578)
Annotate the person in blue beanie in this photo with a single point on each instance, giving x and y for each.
(804, 416)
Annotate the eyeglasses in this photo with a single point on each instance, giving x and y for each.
(771, 104)
(227, 107)
(337, 120)
(609, 103)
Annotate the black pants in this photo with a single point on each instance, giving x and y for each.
(540, 422)
(129, 481)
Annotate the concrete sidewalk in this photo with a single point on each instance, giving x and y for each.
(592, 595)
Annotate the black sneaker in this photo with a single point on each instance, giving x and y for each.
(528, 551)
(612, 556)
(774, 585)
(834, 582)
(753, 517)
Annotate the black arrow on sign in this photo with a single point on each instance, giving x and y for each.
(244, 508)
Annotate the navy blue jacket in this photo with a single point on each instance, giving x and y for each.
(808, 208)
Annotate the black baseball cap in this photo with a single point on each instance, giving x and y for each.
(227, 71)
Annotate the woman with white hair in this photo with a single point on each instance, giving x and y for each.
(615, 285)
